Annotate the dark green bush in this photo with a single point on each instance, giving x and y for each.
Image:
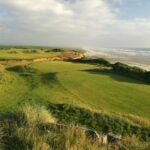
(57, 50)
(21, 69)
(96, 61)
(101, 122)
(54, 50)
(133, 72)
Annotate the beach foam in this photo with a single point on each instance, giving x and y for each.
(134, 57)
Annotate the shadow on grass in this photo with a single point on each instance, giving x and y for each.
(39, 79)
(21, 69)
(49, 78)
(113, 75)
(35, 78)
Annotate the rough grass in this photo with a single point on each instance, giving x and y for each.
(138, 120)
(4, 77)
(102, 122)
(1, 138)
(2, 68)
(21, 131)
(131, 143)
(36, 114)
(24, 133)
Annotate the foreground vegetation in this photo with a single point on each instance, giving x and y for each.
(30, 128)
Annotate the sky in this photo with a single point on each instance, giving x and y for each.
(75, 23)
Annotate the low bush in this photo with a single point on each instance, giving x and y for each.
(57, 50)
(100, 122)
(21, 69)
(96, 61)
(54, 50)
(13, 52)
(30, 51)
(21, 130)
(133, 72)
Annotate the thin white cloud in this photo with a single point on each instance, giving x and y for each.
(41, 5)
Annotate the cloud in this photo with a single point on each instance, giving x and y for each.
(69, 23)
(52, 6)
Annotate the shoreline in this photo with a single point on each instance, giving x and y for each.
(113, 57)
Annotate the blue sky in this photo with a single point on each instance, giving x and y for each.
(130, 9)
(75, 23)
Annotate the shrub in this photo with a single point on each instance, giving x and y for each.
(21, 69)
(28, 51)
(96, 61)
(133, 72)
(100, 122)
(57, 50)
(22, 131)
(13, 52)
(132, 142)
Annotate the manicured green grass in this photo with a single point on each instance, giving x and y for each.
(12, 92)
(98, 90)
(78, 84)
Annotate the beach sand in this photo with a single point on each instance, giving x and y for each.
(132, 60)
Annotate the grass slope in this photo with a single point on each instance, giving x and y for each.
(105, 91)
(78, 84)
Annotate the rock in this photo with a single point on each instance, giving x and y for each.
(91, 134)
(112, 137)
(103, 139)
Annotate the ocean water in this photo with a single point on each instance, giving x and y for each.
(143, 52)
(132, 56)
(121, 52)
